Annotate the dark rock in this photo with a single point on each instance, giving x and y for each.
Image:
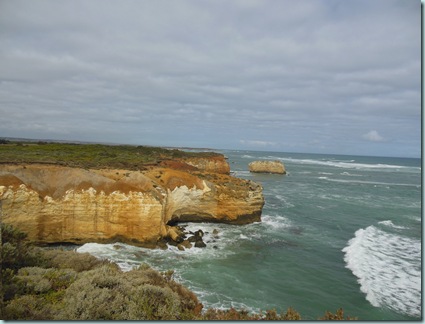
(192, 238)
(173, 243)
(162, 244)
(186, 244)
(180, 247)
(199, 233)
(200, 244)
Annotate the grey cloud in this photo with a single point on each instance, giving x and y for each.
(214, 71)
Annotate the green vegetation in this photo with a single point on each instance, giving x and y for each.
(66, 285)
(47, 284)
(90, 155)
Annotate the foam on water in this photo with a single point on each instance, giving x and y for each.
(345, 164)
(368, 182)
(388, 268)
(275, 222)
(345, 173)
(126, 256)
(391, 224)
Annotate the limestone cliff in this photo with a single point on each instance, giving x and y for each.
(267, 167)
(61, 204)
(216, 164)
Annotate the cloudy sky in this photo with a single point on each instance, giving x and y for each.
(316, 76)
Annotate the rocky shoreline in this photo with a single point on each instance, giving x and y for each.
(184, 239)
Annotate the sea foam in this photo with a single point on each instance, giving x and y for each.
(388, 268)
(345, 164)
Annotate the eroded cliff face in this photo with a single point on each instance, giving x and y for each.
(267, 167)
(208, 197)
(216, 164)
(62, 204)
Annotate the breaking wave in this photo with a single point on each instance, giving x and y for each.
(369, 182)
(391, 224)
(345, 164)
(388, 268)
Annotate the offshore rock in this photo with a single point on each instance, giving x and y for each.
(267, 167)
(54, 203)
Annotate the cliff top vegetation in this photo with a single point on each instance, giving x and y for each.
(91, 155)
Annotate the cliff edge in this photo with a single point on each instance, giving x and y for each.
(55, 203)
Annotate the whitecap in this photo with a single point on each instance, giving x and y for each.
(391, 224)
(123, 256)
(345, 173)
(388, 268)
(375, 183)
(346, 164)
(275, 222)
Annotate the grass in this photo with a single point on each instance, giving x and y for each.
(91, 155)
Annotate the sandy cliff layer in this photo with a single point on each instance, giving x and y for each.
(61, 204)
(267, 167)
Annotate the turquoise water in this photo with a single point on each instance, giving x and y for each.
(336, 231)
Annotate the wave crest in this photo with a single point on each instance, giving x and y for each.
(388, 268)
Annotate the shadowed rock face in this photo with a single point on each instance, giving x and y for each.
(267, 167)
(60, 204)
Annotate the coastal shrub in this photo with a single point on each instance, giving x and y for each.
(338, 316)
(149, 302)
(230, 314)
(72, 260)
(91, 155)
(146, 275)
(96, 294)
(35, 280)
(109, 294)
(16, 251)
(28, 307)
(290, 315)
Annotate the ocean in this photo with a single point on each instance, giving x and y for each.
(336, 231)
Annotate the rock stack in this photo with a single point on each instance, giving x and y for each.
(276, 167)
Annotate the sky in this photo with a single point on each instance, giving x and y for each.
(314, 76)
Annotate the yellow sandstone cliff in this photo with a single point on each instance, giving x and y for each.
(54, 203)
(267, 167)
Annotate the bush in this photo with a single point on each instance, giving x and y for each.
(16, 251)
(149, 302)
(338, 316)
(72, 260)
(28, 307)
(110, 294)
